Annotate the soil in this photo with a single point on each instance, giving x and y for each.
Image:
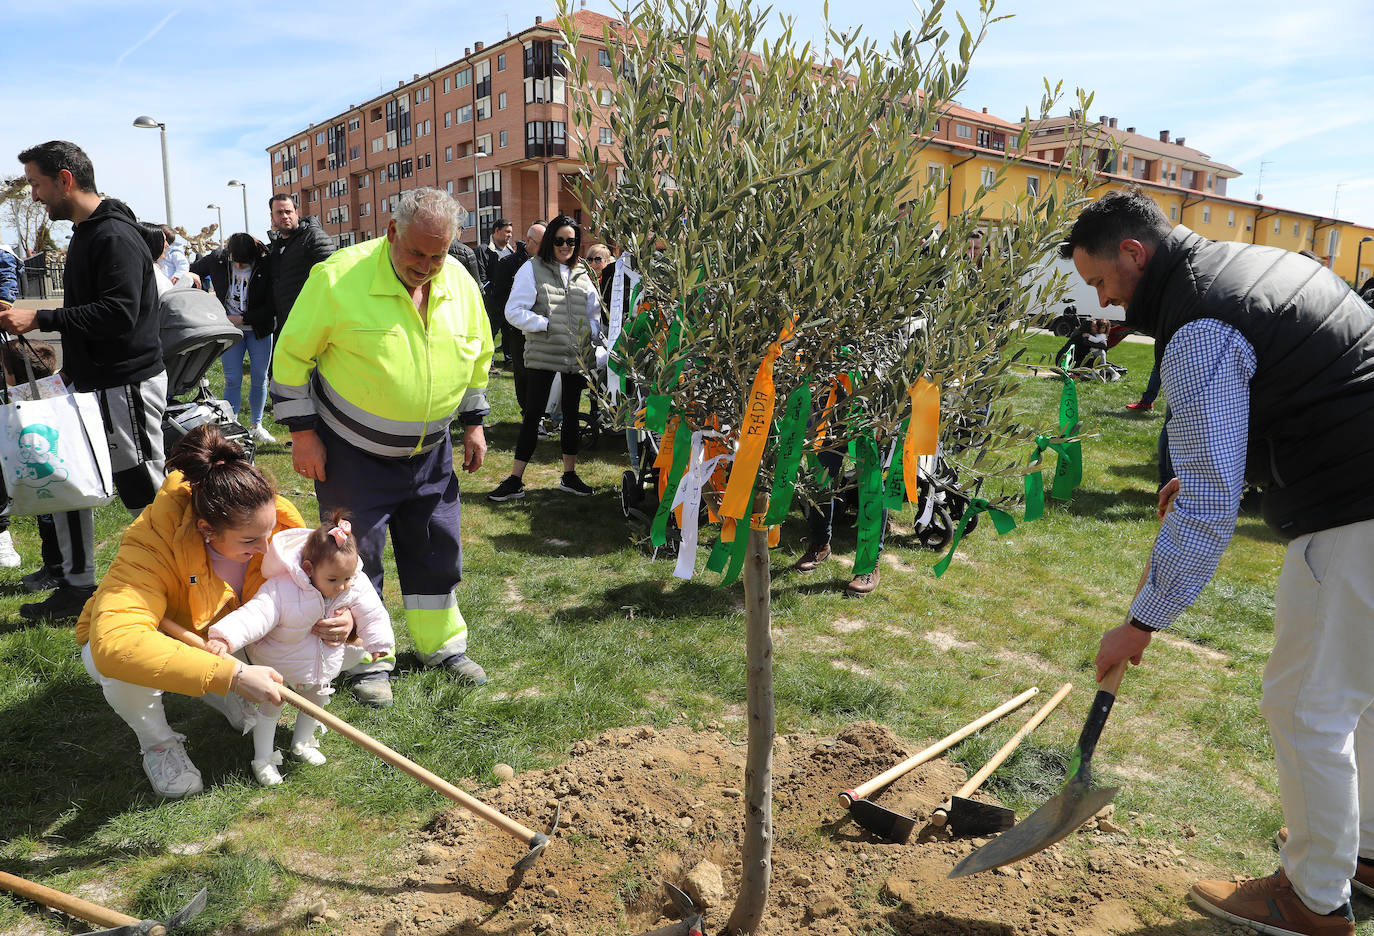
(642, 806)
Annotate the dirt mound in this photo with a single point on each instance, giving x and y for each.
(642, 806)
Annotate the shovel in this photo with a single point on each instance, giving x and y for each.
(893, 826)
(537, 841)
(969, 817)
(122, 924)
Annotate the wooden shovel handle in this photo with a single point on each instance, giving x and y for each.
(75, 906)
(996, 760)
(936, 749)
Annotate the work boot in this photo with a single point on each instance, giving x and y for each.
(1140, 406)
(170, 771)
(864, 584)
(45, 579)
(814, 556)
(1270, 905)
(65, 602)
(1363, 881)
(573, 484)
(371, 689)
(465, 669)
(510, 489)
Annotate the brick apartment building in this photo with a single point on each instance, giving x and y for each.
(492, 128)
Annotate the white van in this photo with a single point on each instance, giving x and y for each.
(1079, 303)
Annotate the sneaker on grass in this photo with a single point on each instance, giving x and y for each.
(170, 771)
(1363, 881)
(9, 556)
(574, 485)
(510, 489)
(1270, 905)
(45, 579)
(65, 602)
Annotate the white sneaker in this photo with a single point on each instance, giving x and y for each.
(309, 752)
(266, 769)
(262, 435)
(170, 771)
(238, 711)
(9, 557)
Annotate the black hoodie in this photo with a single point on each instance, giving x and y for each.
(109, 325)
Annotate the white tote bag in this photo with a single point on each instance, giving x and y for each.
(55, 455)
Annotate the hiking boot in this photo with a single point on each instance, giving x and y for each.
(65, 602)
(573, 484)
(170, 771)
(1140, 406)
(465, 669)
(266, 769)
(9, 557)
(813, 557)
(864, 584)
(45, 579)
(510, 489)
(371, 689)
(1363, 881)
(1270, 905)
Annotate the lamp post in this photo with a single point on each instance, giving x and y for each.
(1359, 250)
(244, 188)
(476, 193)
(219, 227)
(148, 123)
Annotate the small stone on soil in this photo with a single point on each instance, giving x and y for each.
(503, 772)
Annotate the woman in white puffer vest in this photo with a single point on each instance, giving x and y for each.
(311, 574)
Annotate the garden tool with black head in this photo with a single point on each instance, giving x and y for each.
(118, 924)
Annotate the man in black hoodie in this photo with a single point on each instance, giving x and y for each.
(110, 347)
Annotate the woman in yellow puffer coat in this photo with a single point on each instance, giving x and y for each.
(192, 556)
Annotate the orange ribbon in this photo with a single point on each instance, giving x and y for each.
(758, 420)
(922, 434)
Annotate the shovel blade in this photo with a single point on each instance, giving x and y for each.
(188, 912)
(882, 822)
(1058, 818)
(972, 818)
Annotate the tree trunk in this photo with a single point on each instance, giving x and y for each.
(757, 853)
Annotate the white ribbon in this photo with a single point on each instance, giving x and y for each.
(689, 497)
(622, 285)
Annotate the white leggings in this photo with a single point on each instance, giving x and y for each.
(139, 706)
(265, 729)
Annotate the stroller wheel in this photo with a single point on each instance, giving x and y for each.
(937, 534)
(630, 494)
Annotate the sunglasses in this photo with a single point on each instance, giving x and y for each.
(597, 259)
(565, 241)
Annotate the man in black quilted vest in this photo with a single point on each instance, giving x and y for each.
(1267, 360)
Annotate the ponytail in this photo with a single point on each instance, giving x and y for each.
(226, 487)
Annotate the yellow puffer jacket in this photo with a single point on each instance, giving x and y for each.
(162, 571)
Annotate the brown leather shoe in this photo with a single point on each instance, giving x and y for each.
(813, 557)
(1270, 905)
(863, 584)
(1363, 881)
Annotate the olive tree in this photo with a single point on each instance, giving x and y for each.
(769, 193)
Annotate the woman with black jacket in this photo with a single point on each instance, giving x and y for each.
(238, 276)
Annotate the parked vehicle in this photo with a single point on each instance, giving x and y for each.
(1079, 304)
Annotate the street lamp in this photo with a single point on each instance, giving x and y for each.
(219, 228)
(476, 193)
(148, 123)
(1359, 250)
(235, 182)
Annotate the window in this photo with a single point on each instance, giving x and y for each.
(935, 174)
(1033, 186)
(422, 95)
(425, 161)
(448, 154)
(1173, 212)
(604, 136)
(462, 79)
(1230, 219)
(484, 144)
(1206, 214)
(963, 131)
(378, 144)
(483, 107)
(448, 186)
(1296, 229)
(603, 58)
(501, 101)
(276, 157)
(984, 137)
(305, 170)
(365, 209)
(407, 169)
(603, 97)
(503, 139)
(463, 114)
(1333, 242)
(1278, 225)
(376, 114)
(381, 206)
(393, 171)
(355, 151)
(501, 62)
(446, 84)
(448, 119)
(354, 123)
(319, 138)
(365, 181)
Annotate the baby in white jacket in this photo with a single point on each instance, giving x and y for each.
(311, 574)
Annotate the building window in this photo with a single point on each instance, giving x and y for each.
(365, 181)
(377, 144)
(501, 62)
(319, 138)
(462, 79)
(484, 144)
(935, 174)
(1296, 229)
(448, 119)
(603, 58)
(1230, 219)
(603, 97)
(501, 101)
(354, 123)
(1033, 186)
(365, 209)
(463, 114)
(447, 82)
(1206, 214)
(305, 170)
(406, 169)
(1173, 212)
(1278, 225)
(984, 137)
(963, 131)
(604, 136)
(448, 154)
(376, 114)
(355, 151)
(503, 139)
(448, 186)
(483, 107)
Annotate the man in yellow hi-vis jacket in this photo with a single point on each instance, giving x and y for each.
(387, 342)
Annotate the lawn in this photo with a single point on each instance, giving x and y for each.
(581, 630)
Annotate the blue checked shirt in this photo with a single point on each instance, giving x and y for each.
(1205, 372)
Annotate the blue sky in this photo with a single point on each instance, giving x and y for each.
(1285, 84)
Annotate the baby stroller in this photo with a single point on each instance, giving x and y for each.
(195, 332)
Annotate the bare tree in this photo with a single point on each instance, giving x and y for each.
(34, 232)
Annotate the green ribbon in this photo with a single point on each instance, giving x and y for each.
(894, 488)
(658, 534)
(656, 412)
(870, 520)
(1001, 521)
(730, 556)
(1068, 473)
(720, 556)
(1035, 484)
(631, 340)
(791, 437)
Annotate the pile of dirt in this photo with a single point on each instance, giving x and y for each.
(642, 806)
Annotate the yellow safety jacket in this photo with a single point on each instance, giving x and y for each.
(356, 354)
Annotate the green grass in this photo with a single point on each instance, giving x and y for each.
(580, 631)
